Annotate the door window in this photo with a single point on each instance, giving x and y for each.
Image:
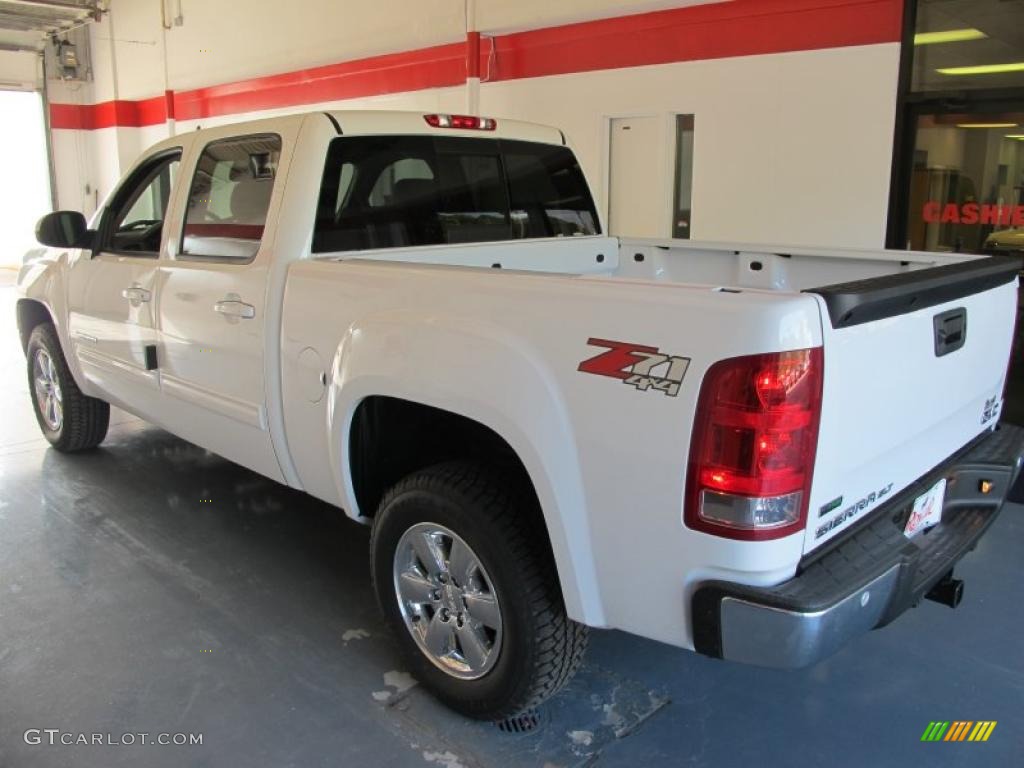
(683, 189)
(140, 207)
(230, 197)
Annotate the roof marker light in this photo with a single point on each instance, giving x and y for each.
(463, 122)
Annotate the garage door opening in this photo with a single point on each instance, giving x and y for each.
(25, 182)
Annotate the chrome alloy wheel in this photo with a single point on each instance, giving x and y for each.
(447, 601)
(49, 398)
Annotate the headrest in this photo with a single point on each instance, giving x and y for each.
(250, 200)
(413, 191)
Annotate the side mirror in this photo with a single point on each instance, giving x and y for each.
(64, 229)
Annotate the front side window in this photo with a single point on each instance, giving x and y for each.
(405, 191)
(230, 197)
(140, 207)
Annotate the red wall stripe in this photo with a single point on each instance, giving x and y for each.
(738, 28)
(472, 54)
(417, 70)
(108, 114)
(392, 73)
(720, 30)
(151, 111)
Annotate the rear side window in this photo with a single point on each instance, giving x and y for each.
(229, 198)
(405, 191)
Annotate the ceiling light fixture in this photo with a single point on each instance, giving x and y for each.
(986, 125)
(949, 36)
(983, 69)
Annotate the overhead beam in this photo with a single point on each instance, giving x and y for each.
(67, 5)
(16, 48)
(25, 24)
(33, 17)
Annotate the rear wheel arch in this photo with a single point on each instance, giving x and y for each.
(390, 438)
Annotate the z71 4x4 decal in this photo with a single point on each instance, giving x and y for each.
(639, 366)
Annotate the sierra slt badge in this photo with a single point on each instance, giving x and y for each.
(639, 366)
(850, 512)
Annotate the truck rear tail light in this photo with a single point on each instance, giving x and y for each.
(465, 122)
(753, 446)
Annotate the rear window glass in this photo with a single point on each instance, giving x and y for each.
(404, 191)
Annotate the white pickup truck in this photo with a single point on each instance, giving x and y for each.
(757, 453)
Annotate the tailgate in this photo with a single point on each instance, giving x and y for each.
(914, 369)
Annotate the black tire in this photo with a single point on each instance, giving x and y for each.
(84, 420)
(541, 647)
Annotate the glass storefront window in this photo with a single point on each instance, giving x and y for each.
(967, 183)
(959, 170)
(968, 45)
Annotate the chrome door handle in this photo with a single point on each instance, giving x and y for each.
(235, 308)
(136, 294)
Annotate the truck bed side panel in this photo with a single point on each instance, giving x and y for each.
(608, 459)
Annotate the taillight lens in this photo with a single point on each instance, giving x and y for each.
(753, 447)
(464, 122)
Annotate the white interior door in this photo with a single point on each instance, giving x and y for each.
(637, 203)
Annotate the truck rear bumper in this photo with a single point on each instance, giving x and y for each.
(866, 577)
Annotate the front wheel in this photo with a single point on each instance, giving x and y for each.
(468, 585)
(70, 420)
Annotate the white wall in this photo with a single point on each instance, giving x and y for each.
(944, 145)
(504, 16)
(218, 44)
(19, 70)
(226, 41)
(789, 148)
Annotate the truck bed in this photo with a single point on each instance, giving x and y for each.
(895, 404)
(725, 265)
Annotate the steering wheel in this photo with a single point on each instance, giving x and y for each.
(138, 235)
(141, 225)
